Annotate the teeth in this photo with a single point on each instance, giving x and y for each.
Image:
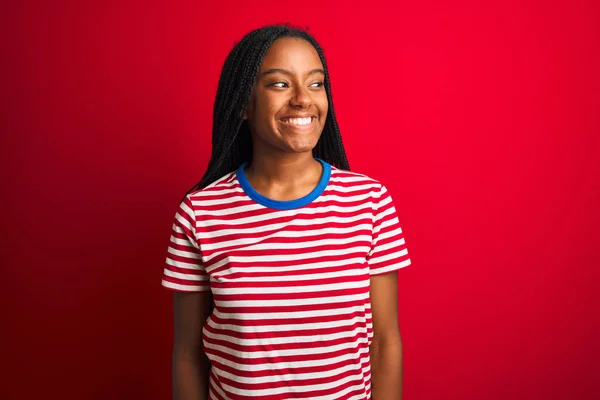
(299, 121)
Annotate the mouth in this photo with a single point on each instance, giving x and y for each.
(300, 123)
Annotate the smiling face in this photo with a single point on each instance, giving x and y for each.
(288, 105)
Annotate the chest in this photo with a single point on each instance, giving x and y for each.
(289, 257)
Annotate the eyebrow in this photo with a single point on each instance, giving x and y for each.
(286, 72)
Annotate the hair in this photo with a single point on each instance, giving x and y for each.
(231, 138)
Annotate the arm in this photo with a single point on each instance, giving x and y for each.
(191, 367)
(386, 347)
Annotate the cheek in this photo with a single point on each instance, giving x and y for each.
(324, 105)
(268, 107)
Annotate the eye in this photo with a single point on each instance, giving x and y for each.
(278, 84)
(319, 84)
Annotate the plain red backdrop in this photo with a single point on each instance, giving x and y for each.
(482, 118)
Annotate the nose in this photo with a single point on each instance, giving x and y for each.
(300, 97)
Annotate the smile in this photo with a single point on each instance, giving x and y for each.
(298, 121)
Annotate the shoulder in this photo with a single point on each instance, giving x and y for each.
(352, 179)
(223, 187)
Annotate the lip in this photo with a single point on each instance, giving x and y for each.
(298, 116)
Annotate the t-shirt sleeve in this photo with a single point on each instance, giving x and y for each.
(388, 249)
(183, 270)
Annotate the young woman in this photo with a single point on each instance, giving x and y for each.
(282, 261)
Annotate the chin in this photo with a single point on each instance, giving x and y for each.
(301, 146)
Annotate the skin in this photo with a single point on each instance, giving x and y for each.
(386, 347)
(190, 366)
(289, 83)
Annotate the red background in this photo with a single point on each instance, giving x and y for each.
(482, 120)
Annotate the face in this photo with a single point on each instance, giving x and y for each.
(288, 105)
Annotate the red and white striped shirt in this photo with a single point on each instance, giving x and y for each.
(290, 283)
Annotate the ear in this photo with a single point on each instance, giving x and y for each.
(251, 103)
(249, 108)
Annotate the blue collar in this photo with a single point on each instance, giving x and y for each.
(287, 204)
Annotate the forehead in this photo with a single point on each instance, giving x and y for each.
(291, 53)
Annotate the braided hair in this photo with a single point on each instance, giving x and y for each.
(231, 138)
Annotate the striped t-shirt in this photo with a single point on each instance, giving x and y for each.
(290, 283)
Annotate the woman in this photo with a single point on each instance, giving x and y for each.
(283, 262)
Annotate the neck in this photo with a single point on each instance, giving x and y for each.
(286, 169)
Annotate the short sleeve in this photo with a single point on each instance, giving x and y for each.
(388, 249)
(183, 270)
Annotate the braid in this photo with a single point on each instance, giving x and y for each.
(231, 139)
